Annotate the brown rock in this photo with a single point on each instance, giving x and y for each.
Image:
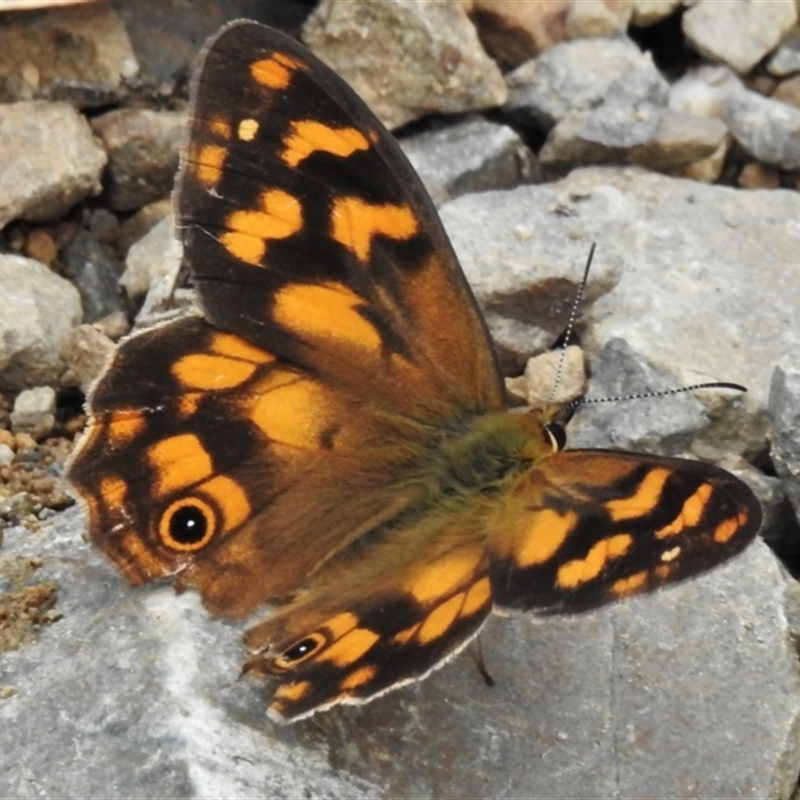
(406, 60)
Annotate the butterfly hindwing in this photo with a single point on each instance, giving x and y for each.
(586, 527)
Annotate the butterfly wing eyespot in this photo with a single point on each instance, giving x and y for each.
(188, 524)
(299, 652)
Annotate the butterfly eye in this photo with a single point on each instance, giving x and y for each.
(188, 524)
(300, 651)
(557, 435)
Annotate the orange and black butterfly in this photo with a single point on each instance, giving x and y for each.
(331, 435)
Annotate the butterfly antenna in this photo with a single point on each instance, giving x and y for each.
(573, 314)
(580, 401)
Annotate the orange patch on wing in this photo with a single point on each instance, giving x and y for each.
(228, 344)
(274, 72)
(355, 223)
(728, 528)
(231, 498)
(278, 216)
(199, 371)
(341, 624)
(324, 311)
(291, 411)
(292, 691)
(443, 576)
(630, 585)
(690, 514)
(439, 621)
(112, 490)
(406, 635)
(220, 127)
(477, 597)
(645, 498)
(358, 678)
(179, 461)
(310, 136)
(542, 537)
(207, 162)
(581, 570)
(124, 426)
(188, 403)
(350, 647)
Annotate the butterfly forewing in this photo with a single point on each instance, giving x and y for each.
(308, 233)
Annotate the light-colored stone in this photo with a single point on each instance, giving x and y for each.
(598, 705)
(696, 271)
(544, 90)
(142, 147)
(37, 307)
(149, 259)
(406, 59)
(598, 18)
(738, 33)
(649, 12)
(471, 156)
(49, 160)
(34, 412)
(87, 351)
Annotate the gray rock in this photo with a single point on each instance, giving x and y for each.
(696, 271)
(766, 128)
(149, 259)
(96, 270)
(472, 156)
(142, 147)
(738, 33)
(544, 90)
(34, 412)
(786, 60)
(406, 59)
(618, 133)
(666, 424)
(627, 701)
(48, 160)
(784, 431)
(37, 307)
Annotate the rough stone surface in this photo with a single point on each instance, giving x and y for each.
(649, 12)
(48, 160)
(544, 90)
(738, 33)
(37, 308)
(96, 270)
(147, 259)
(784, 431)
(142, 147)
(34, 412)
(86, 351)
(601, 705)
(697, 268)
(406, 59)
(618, 133)
(471, 156)
(81, 53)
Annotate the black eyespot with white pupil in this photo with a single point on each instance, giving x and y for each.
(188, 524)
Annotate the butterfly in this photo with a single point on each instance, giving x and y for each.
(331, 435)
